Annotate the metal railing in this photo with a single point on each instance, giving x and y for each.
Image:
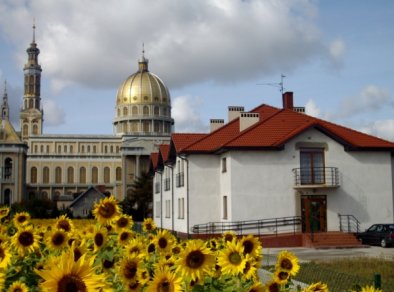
(349, 223)
(328, 176)
(259, 227)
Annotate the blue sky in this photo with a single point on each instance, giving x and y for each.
(337, 57)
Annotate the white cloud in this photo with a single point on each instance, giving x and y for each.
(185, 111)
(336, 51)
(312, 109)
(54, 115)
(96, 43)
(370, 99)
(383, 129)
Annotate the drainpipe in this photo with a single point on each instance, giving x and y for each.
(187, 193)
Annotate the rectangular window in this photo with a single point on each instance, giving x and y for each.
(224, 164)
(181, 208)
(225, 215)
(158, 210)
(312, 166)
(168, 209)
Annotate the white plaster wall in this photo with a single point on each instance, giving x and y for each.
(180, 224)
(157, 199)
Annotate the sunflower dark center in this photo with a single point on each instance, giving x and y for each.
(176, 250)
(26, 238)
(247, 267)
(124, 236)
(248, 246)
(134, 249)
(107, 210)
(286, 264)
(162, 242)
(122, 222)
(2, 254)
(228, 237)
(17, 290)
(130, 270)
(283, 275)
(22, 218)
(108, 264)
(63, 224)
(99, 239)
(71, 283)
(58, 239)
(274, 287)
(235, 258)
(77, 254)
(164, 286)
(148, 226)
(151, 248)
(195, 259)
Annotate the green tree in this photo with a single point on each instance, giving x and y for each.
(138, 201)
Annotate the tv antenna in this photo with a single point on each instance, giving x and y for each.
(277, 85)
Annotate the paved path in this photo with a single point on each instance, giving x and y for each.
(312, 254)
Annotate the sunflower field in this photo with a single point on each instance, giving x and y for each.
(105, 254)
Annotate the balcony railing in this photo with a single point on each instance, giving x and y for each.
(180, 179)
(316, 177)
(167, 184)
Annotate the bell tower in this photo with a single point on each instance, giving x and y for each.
(31, 114)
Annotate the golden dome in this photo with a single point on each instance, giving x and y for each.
(143, 87)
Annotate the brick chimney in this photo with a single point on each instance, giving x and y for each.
(287, 99)
(216, 124)
(234, 112)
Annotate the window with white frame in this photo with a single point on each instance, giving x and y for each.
(181, 208)
(225, 213)
(168, 208)
(158, 210)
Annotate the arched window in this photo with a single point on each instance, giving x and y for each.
(31, 101)
(145, 126)
(134, 126)
(156, 111)
(124, 128)
(35, 148)
(71, 149)
(42, 149)
(82, 175)
(33, 175)
(58, 175)
(35, 129)
(125, 111)
(118, 174)
(83, 149)
(145, 110)
(94, 175)
(117, 149)
(65, 148)
(70, 175)
(25, 130)
(47, 148)
(88, 148)
(134, 110)
(7, 197)
(105, 149)
(45, 175)
(118, 112)
(106, 175)
(8, 168)
(59, 149)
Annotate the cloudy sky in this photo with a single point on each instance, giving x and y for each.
(337, 57)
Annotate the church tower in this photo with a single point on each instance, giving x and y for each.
(5, 110)
(31, 114)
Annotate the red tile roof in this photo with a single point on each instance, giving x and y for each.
(182, 140)
(164, 150)
(154, 158)
(275, 128)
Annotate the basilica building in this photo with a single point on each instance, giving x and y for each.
(59, 166)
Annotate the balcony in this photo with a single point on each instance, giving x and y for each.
(316, 177)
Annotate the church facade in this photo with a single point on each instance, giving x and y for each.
(59, 166)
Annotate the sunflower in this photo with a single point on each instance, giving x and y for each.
(123, 222)
(252, 245)
(370, 289)
(99, 237)
(316, 287)
(5, 256)
(56, 240)
(25, 241)
(64, 274)
(106, 210)
(164, 241)
(165, 280)
(148, 225)
(257, 287)
(133, 286)
(4, 211)
(2, 279)
(78, 249)
(64, 223)
(288, 262)
(124, 237)
(18, 286)
(281, 276)
(195, 260)
(229, 236)
(250, 270)
(231, 259)
(272, 286)
(21, 219)
(128, 268)
(143, 276)
(135, 246)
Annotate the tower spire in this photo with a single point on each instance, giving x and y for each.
(4, 107)
(34, 30)
(143, 62)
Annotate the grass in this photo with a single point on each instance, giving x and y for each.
(346, 274)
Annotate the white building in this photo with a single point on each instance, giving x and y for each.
(271, 163)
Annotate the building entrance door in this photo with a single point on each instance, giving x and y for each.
(314, 213)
